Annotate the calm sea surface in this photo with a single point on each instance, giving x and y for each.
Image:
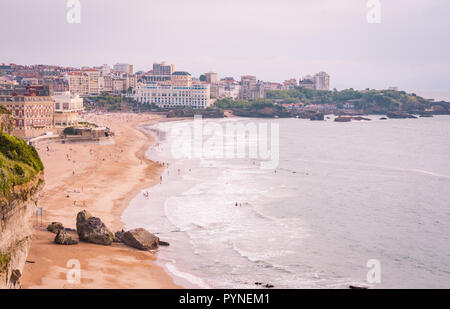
(342, 194)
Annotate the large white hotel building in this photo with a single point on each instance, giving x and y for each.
(180, 92)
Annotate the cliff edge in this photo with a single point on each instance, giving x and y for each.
(21, 180)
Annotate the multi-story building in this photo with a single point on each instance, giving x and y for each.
(66, 101)
(93, 81)
(32, 108)
(181, 79)
(118, 84)
(5, 69)
(159, 79)
(307, 82)
(322, 81)
(78, 82)
(84, 83)
(250, 88)
(58, 83)
(67, 108)
(163, 68)
(130, 81)
(211, 77)
(226, 88)
(104, 70)
(31, 81)
(124, 68)
(196, 95)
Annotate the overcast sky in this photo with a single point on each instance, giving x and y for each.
(274, 40)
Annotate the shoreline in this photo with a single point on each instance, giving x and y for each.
(113, 266)
(179, 273)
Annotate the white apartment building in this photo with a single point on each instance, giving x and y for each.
(67, 108)
(196, 95)
(66, 101)
(322, 81)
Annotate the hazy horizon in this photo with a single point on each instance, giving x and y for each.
(272, 40)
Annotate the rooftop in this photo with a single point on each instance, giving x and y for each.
(180, 73)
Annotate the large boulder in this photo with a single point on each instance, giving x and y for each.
(400, 115)
(317, 116)
(54, 227)
(62, 238)
(140, 239)
(343, 118)
(92, 229)
(82, 217)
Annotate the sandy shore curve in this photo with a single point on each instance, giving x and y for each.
(101, 178)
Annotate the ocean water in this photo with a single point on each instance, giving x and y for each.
(342, 194)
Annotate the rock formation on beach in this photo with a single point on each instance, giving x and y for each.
(92, 229)
(54, 227)
(140, 239)
(62, 238)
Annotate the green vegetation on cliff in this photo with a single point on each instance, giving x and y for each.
(110, 103)
(19, 162)
(5, 259)
(246, 104)
(365, 99)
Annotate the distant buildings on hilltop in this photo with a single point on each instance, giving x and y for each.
(41, 97)
(320, 81)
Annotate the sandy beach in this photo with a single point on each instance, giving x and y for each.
(101, 179)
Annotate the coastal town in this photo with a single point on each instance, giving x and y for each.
(46, 99)
(221, 153)
(83, 126)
